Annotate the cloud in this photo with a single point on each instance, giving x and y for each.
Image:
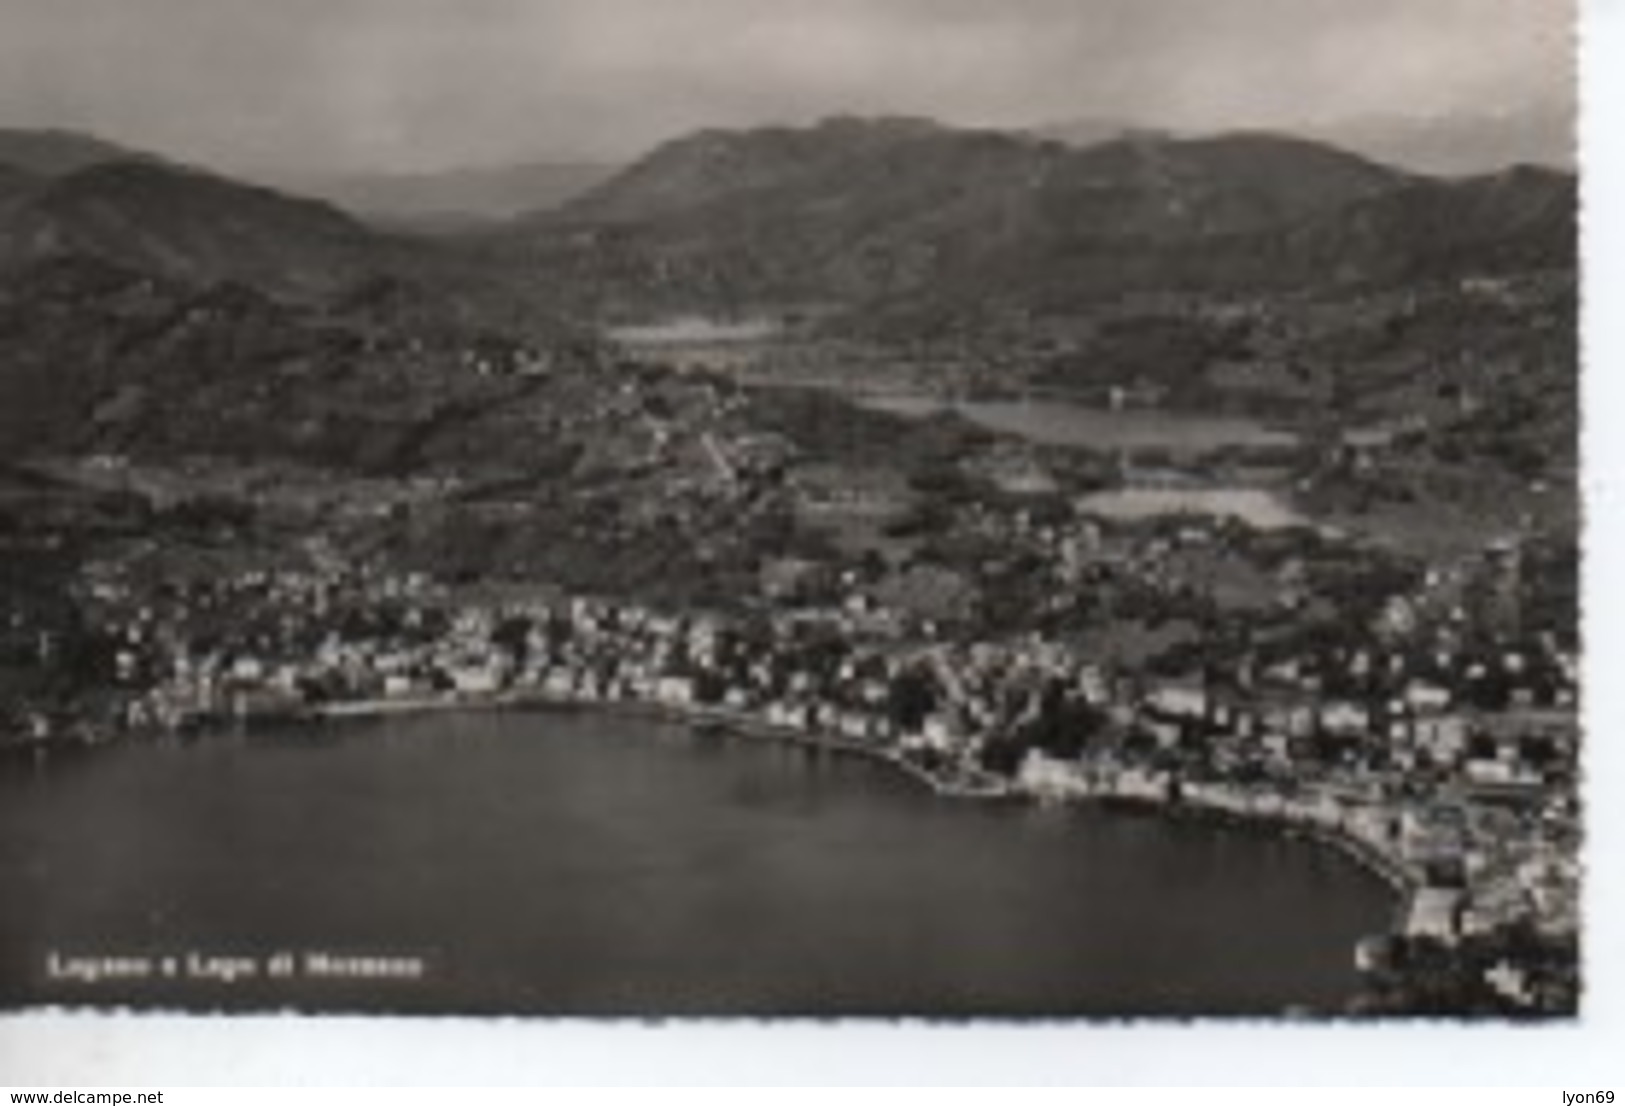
(420, 83)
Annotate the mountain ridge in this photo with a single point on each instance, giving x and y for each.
(187, 224)
(1456, 144)
(857, 211)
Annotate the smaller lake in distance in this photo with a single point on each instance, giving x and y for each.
(696, 330)
(1259, 508)
(1053, 422)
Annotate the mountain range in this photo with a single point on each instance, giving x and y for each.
(462, 199)
(854, 211)
(131, 286)
(863, 212)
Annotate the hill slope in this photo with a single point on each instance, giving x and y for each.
(96, 357)
(54, 153)
(186, 225)
(1420, 230)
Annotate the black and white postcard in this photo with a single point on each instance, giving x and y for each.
(946, 509)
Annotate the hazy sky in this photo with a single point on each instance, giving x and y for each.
(403, 84)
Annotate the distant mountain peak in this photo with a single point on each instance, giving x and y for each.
(863, 212)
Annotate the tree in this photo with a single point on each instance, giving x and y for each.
(513, 634)
(910, 698)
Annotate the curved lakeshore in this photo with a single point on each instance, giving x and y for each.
(589, 861)
(1402, 881)
(734, 722)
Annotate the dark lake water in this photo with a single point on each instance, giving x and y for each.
(590, 864)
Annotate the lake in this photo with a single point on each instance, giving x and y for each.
(1259, 508)
(1052, 422)
(696, 330)
(576, 863)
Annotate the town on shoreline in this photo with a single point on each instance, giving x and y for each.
(1393, 758)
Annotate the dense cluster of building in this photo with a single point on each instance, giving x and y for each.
(1448, 767)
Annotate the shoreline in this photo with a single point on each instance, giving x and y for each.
(747, 726)
(743, 725)
(729, 721)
